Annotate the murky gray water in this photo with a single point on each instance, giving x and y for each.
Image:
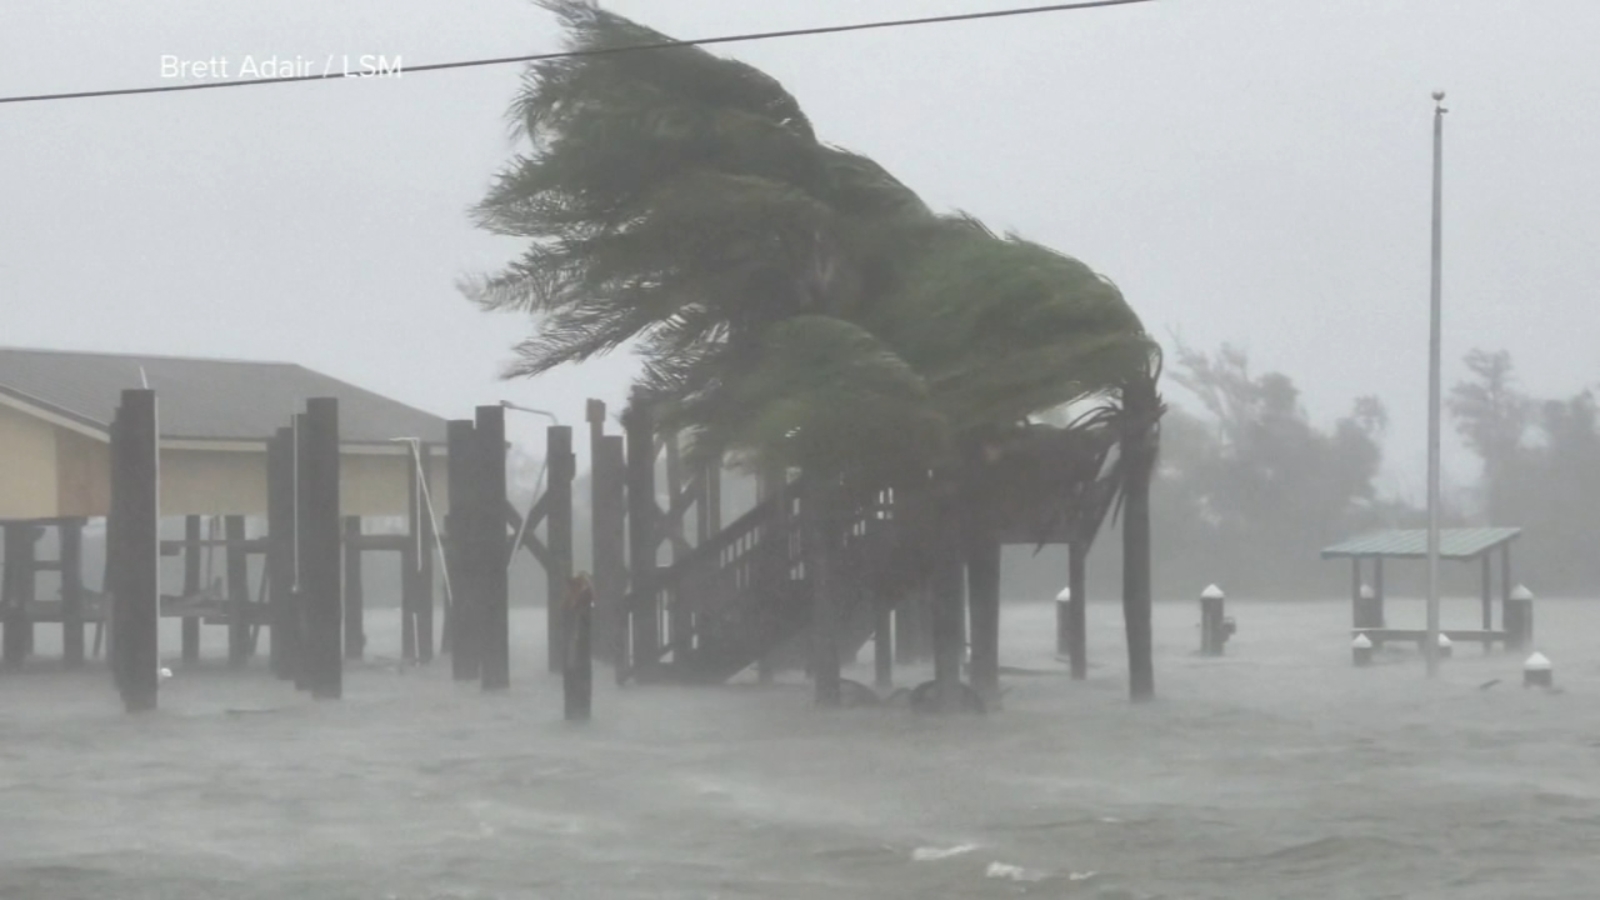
(1278, 772)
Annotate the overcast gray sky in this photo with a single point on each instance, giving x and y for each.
(1247, 170)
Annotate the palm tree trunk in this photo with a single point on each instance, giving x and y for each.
(1141, 407)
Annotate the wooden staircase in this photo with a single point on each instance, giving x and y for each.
(748, 598)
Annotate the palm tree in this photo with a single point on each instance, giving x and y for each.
(794, 304)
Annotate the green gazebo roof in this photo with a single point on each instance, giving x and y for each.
(1412, 543)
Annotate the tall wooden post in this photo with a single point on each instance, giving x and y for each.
(643, 515)
(560, 466)
(71, 541)
(1377, 592)
(820, 529)
(465, 551)
(907, 619)
(945, 607)
(320, 557)
(1486, 592)
(883, 647)
(237, 560)
(18, 544)
(191, 586)
(281, 549)
(1078, 609)
(422, 527)
(1505, 580)
(577, 672)
(611, 552)
(983, 607)
(490, 500)
(354, 595)
(135, 468)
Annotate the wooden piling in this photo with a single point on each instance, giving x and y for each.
(883, 648)
(421, 529)
(983, 610)
(354, 595)
(464, 551)
(820, 528)
(135, 463)
(577, 672)
(237, 561)
(610, 523)
(560, 469)
(71, 544)
(945, 609)
(191, 586)
(15, 591)
(320, 557)
(643, 514)
(281, 549)
(489, 498)
(1078, 609)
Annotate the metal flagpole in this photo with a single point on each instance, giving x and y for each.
(1431, 648)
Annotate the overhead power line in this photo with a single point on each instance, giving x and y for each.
(569, 54)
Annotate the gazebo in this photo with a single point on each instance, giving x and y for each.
(1459, 544)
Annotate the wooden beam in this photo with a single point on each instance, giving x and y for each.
(421, 527)
(354, 593)
(134, 466)
(238, 581)
(281, 550)
(560, 469)
(491, 495)
(464, 552)
(643, 531)
(320, 557)
(191, 545)
(72, 592)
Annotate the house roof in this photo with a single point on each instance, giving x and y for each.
(1454, 543)
(203, 399)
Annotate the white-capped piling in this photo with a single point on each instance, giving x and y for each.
(1361, 650)
(1537, 671)
(1064, 622)
(1446, 647)
(1215, 627)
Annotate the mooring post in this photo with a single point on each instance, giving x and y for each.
(423, 540)
(611, 551)
(191, 586)
(983, 611)
(12, 614)
(71, 553)
(354, 594)
(1078, 608)
(1518, 618)
(945, 610)
(237, 561)
(305, 652)
(883, 646)
(465, 550)
(1213, 623)
(820, 530)
(490, 500)
(560, 469)
(281, 549)
(577, 662)
(1538, 672)
(135, 463)
(643, 515)
(321, 561)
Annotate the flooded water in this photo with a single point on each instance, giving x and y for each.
(1278, 772)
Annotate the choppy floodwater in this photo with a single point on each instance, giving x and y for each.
(1279, 772)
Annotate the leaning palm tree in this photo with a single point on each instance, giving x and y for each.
(792, 302)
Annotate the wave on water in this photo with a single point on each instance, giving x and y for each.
(930, 854)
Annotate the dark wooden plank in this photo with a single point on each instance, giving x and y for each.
(237, 568)
(643, 534)
(490, 497)
(560, 469)
(72, 592)
(135, 462)
(320, 557)
(281, 549)
(354, 597)
(421, 522)
(461, 568)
